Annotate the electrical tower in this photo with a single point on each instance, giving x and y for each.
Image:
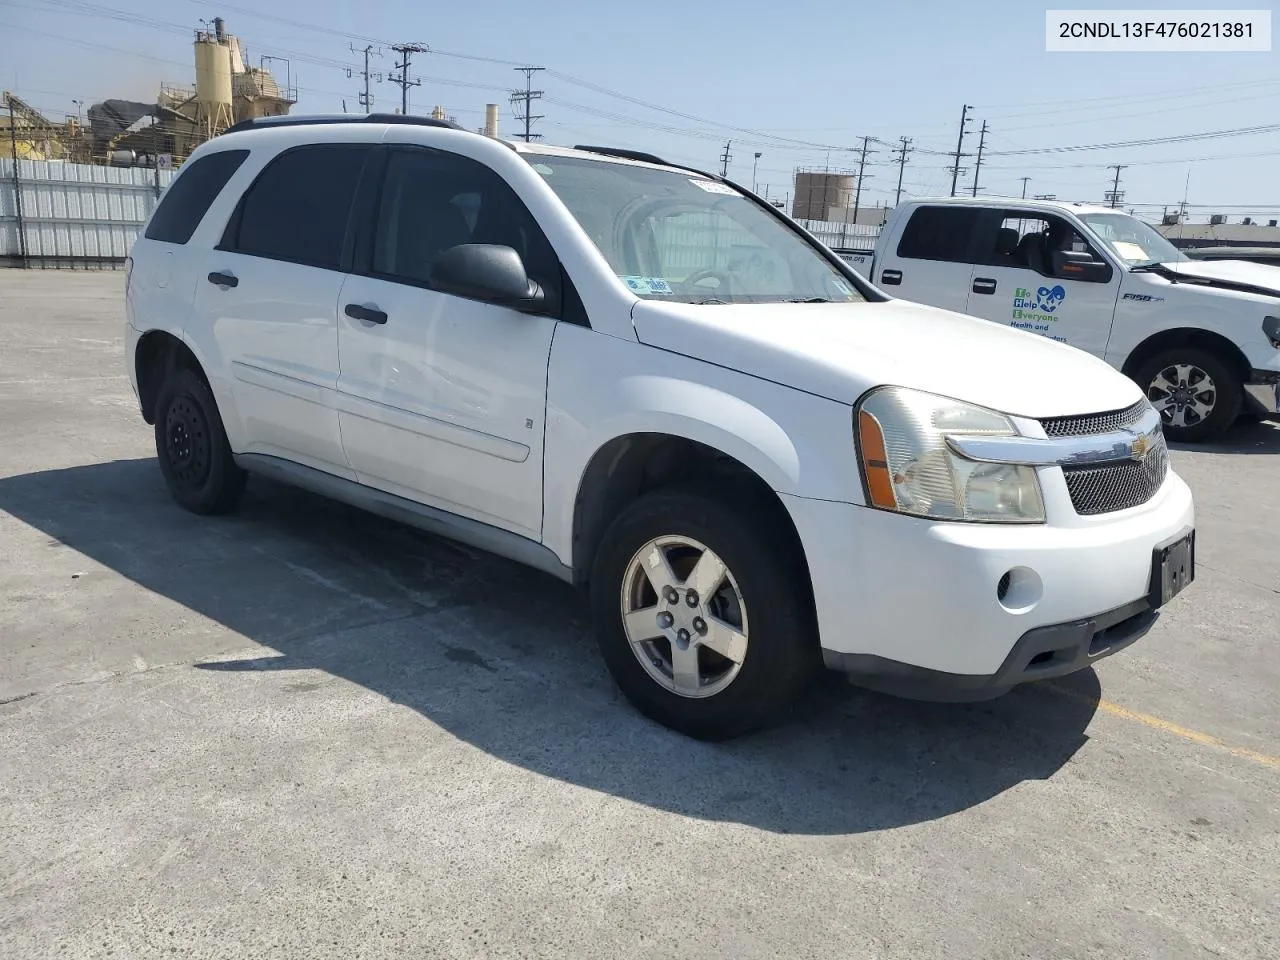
(977, 166)
(1115, 195)
(527, 96)
(725, 158)
(862, 163)
(956, 170)
(365, 98)
(401, 79)
(902, 165)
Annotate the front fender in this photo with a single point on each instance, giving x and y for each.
(601, 388)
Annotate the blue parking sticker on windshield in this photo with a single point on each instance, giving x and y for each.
(640, 285)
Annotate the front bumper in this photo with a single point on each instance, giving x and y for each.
(1262, 392)
(913, 606)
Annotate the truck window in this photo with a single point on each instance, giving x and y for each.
(939, 233)
(1027, 240)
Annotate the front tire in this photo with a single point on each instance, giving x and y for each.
(192, 447)
(1197, 394)
(701, 613)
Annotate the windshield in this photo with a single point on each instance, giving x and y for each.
(677, 236)
(1136, 243)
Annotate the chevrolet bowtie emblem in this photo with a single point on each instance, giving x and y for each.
(1140, 447)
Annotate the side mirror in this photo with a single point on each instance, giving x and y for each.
(1080, 265)
(487, 272)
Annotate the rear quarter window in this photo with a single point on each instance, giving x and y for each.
(191, 194)
(939, 233)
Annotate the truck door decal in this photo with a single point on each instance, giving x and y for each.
(1037, 311)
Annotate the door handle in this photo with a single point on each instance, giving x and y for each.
(369, 314)
(984, 285)
(223, 279)
(891, 277)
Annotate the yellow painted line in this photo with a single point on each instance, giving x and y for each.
(1165, 726)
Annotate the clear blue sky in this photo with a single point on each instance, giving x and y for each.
(787, 80)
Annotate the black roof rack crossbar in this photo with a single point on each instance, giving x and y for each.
(254, 123)
(624, 154)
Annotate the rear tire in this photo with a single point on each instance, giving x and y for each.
(667, 650)
(192, 447)
(1198, 395)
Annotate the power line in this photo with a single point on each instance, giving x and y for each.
(527, 96)
(401, 79)
(725, 158)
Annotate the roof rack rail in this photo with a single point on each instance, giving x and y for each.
(623, 154)
(254, 123)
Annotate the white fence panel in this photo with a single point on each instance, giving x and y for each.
(73, 215)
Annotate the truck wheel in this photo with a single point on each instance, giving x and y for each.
(192, 447)
(1197, 394)
(701, 615)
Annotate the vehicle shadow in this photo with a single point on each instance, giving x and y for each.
(500, 656)
(1245, 437)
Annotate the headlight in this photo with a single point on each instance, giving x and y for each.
(910, 469)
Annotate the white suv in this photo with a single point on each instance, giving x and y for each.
(643, 379)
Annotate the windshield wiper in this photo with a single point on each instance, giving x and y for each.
(709, 300)
(809, 300)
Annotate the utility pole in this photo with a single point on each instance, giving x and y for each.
(725, 158)
(955, 170)
(1024, 186)
(862, 163)
(365, 99)
(1115, 195)
(17, 186)
(527, 96)
(755, 164)
(977, 166)
(902, 165)
(401, 79)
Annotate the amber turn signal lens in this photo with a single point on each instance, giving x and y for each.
(875, 462)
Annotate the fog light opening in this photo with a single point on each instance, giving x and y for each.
(1019, 589)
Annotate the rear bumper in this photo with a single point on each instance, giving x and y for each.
(1262, 392)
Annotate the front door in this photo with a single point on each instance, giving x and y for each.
(1018, 281)
(443, 399)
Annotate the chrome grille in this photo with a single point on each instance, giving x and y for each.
(1118, 486)
(1090, 423)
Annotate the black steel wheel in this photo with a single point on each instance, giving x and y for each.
(192, 447)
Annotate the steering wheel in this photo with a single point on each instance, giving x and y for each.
(724, 278)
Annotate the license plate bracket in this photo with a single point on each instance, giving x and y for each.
(1173, 567)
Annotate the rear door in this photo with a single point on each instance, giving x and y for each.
(932, 261)
(1015, 282)
(269, 301)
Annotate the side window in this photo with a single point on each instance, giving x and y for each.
(939, 233)
(1030, 241)
(297, 208)
(432, 201)
(191, 194)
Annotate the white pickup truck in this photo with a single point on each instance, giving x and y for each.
(1201, 338)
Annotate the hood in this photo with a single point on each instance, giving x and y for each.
(1241, 275)
(841, 350)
